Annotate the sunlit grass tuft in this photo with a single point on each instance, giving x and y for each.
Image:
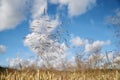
(61, 75)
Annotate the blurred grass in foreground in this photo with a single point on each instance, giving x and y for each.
(9, 74)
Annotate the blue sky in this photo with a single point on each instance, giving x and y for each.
(90, 24)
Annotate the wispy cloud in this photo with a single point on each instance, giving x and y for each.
(2, 49)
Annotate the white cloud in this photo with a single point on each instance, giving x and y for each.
(11, 13)
(20, 62)
(38, 8)
(54, 1)
(37, 62)
(77, 41)
(2, 49)
(63, 2)
(88, 46)
(76, 7)
(95, 46)
(117, 59)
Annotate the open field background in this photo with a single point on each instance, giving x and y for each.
(28, 74)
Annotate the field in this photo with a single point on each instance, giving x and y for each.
(11, 74)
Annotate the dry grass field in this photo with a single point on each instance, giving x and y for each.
(9, 74)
